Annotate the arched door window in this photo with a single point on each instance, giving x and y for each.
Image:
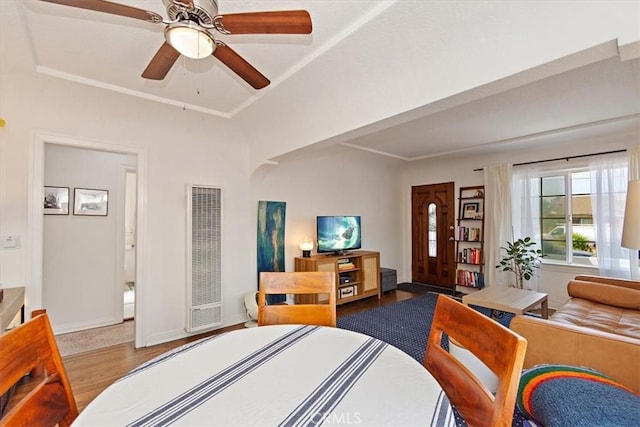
(433, 230)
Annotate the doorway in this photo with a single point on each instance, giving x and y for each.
(34, 292)
(83, 254)
(433, 234)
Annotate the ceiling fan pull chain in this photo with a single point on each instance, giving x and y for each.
(199, 79)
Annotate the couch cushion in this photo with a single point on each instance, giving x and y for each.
(560, 395)
(606, 318)
(613, 295)
(625, 283)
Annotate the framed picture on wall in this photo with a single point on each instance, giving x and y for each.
(56, 200)
(90, 202)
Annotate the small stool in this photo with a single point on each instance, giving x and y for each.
(388, 279)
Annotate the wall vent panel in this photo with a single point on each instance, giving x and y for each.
(204, 287)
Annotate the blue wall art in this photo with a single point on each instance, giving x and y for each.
(271, 220)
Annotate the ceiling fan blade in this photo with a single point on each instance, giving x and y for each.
(112, 8)
(161, 63)
(238, 65)
(282, 22)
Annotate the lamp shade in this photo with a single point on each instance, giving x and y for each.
(631, 227)
(306, 246)
(189, 39)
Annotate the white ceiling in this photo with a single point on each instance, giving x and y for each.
(600, 98)
(111, 52)
(84, 44)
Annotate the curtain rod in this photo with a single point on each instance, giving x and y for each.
(562, 158)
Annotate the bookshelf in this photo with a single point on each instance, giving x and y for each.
(470, 239)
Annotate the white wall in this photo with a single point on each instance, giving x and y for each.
(336, 180)
(180, 147)
(82, 257)
(460, 168)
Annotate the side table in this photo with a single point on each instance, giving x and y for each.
(512, 300)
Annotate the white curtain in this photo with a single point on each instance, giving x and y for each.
(525, 202)
(609, 177)
(634, 162)
(634, 174)
(497, 192)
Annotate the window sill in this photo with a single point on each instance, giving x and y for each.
(561, 267)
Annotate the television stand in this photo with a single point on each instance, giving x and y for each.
(357, 274)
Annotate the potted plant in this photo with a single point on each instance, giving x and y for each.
(521, 258)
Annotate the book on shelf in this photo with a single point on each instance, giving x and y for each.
(346, 266)
(470, 279)
(470, 256)
(469, 234)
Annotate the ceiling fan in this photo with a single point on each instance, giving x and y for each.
(187, 32)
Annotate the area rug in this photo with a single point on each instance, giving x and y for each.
(91, 339)
(422, 288)
(405, 324)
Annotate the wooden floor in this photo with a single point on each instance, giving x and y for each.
(93, 371)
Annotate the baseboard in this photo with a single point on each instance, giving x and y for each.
(81, 326)
(181, 333)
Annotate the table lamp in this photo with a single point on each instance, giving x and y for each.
(306, 246)
(631, 226)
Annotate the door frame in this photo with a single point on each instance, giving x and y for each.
(447, 236)
(35, 218)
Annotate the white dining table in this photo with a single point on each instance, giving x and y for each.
(285, 375)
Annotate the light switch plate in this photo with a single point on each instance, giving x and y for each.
(9, 242)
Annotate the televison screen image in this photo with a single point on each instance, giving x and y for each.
(338, 233)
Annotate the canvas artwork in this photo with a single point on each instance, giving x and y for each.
(271, 220)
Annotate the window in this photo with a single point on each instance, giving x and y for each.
(575, 213)
(433, 230)
(566, 218)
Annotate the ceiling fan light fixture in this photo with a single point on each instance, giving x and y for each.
(190, 40)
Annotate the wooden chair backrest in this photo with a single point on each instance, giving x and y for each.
(28, 348)
(499, 348)
(299, 283)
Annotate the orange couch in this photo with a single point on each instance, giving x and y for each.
(599, 328)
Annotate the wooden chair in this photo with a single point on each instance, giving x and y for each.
(312, 312)
(50, 400)
(499, 348)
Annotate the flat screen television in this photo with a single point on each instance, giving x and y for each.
(338, 234)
